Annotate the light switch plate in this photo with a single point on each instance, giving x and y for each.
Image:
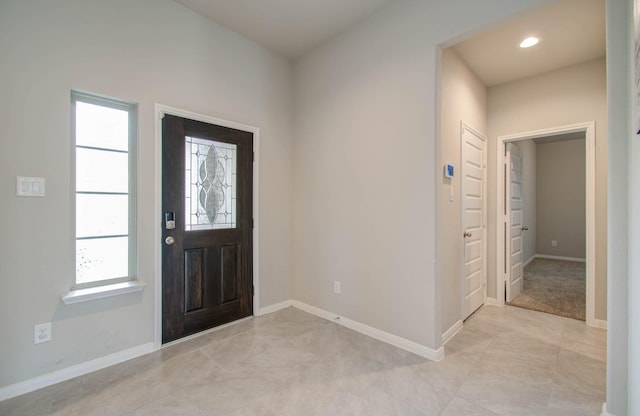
(29, 186)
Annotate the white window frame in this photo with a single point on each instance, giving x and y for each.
(107, 286)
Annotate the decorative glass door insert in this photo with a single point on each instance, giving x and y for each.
(210, 184)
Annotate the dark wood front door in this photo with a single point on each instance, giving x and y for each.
(207, 184)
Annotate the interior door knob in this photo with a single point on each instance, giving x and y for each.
(169, 240)
(467, 234)
(525, 228)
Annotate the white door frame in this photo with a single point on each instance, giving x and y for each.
(590, 146)
(160, 111)
(463, 127)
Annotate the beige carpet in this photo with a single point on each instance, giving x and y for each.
(554, 286)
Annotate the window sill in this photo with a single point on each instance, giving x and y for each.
(92, 293)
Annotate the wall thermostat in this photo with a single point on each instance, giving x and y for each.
(448, 171)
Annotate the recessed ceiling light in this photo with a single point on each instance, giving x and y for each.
(529, 42)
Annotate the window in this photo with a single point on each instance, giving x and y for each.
(210, 184)
(104, 141)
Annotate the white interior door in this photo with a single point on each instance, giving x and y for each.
(473, 174)
(515, 206)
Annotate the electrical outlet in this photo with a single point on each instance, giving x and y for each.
(337, 287)
(42, 333)
(554, 243)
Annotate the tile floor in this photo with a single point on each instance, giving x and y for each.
(506, 361)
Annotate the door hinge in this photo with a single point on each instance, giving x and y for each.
(252, 226)
(253, 290)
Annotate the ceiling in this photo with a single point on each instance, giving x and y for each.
(560, 137)
(570, 32)
(290, 27)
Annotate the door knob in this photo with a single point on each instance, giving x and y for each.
(169, 240)
(525, 228)
(467, 234)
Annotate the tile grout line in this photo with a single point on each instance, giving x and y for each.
(455, 395)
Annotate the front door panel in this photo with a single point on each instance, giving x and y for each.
(207, 249)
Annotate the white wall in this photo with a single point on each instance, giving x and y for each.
(561, 199)
(366, 166)
(146, 51)
(567, 96)
(171, 56)
(633, 157)
(463, 98)
(623, 326)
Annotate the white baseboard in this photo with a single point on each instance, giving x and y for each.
(598, 323)
(491, 301)
(315, 311)
(403, 343)
(604, 410)
(74, 371)
(532, 258)
(544, 256)
(131, 353)
(274, 308)
(451, 332)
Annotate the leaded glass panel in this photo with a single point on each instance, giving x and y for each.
(210, 184)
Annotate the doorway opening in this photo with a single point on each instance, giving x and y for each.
(509, 225)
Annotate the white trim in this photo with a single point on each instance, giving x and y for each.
(131, 353)
(206, 331)
(599, 323)
(157, 233)
(275, 307)
(74, 371)
(545, 256)
(315, 311)
(99, 292)
(493, 301)
(463, 127)
(590, 141)
(532, 258)
(403, 343)
(451, 332)
(604, 410)
(160, 111)
(97, 364)
(590, 138)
